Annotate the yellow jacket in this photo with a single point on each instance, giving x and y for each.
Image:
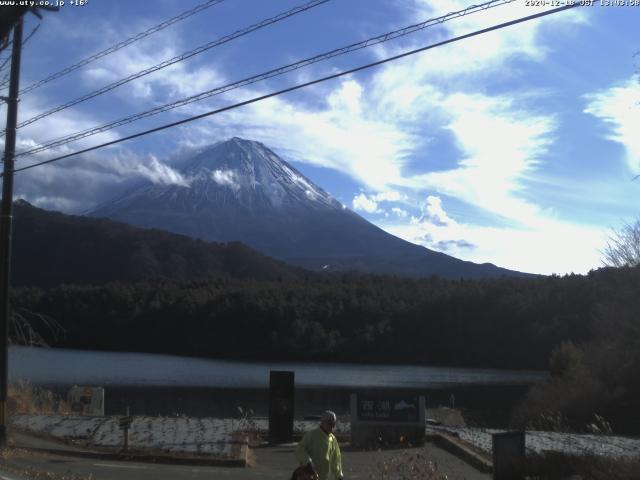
(323, 450)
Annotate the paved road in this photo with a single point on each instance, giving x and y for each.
(270, 463)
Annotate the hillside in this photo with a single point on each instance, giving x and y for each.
(51, 248)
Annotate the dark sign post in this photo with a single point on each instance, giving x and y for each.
(387, 418)
(281, 405)
(508, 455)
(125, 424)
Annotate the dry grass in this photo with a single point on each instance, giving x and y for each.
(26, 398)
(34, 474)
(8, 455)
(252, 461)
(407, 466)
(449, 417)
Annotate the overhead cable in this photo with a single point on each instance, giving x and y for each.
(176, 59)
(124, 43)
(300, 86)
(266, 75)
(5, 63)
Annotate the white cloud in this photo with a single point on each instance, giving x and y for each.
(226, 178)
(169, 83)
(434, 213)
(50, 128)
(407, 84)
(365, 204)
(543, 245)
(618, 108)
(343, 136)
(55, 203)
(390, 196)
(400, 212)
(150, 169)
(501, 145)
(347, 98)
(370, 203)
(556, 247)
(471, 57)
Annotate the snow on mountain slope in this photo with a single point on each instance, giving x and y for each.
(241, 190)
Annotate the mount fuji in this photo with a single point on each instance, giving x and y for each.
(240, 190)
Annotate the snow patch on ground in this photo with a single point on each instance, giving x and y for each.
(168, 434)
(539, 442)
(216, 436)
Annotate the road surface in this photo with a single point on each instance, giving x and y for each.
(269, 463)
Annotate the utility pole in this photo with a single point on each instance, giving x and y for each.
(6, 211)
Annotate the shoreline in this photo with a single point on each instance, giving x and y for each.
(481, 405)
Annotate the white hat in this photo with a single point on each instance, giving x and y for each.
(328, 417)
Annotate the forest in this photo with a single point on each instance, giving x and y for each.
(505, 323)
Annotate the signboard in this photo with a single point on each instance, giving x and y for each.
(87, 400)
(389, 418)
(281, 404)
(125, 422)
(388, 409)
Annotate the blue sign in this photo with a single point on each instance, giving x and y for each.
(387, 408)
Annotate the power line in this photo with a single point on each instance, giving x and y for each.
(124, 43)
(263, 76)
(302, 85)
(5, 63)
(31, 34)
(176, 59)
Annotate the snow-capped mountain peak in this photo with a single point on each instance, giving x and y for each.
(253, 174)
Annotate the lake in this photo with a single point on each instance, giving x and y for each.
(168, 385)
(58, 367)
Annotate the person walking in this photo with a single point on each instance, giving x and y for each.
(319, 452)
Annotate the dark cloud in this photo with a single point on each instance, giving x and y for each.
(65, 188)
(446, 245)
(78, 184)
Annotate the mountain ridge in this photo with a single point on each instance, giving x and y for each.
(240, 190)
(52, 248)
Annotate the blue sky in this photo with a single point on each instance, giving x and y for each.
(517, 147)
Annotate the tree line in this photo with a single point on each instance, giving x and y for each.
(503, 323)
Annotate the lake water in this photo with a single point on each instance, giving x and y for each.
(75, 367)
(169, 385)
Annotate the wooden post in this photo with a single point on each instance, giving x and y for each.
(125, 424)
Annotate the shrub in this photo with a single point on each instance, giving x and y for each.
(26, 398)
(407, 466)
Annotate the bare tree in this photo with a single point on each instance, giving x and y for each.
(623, 249)
(33, 329)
